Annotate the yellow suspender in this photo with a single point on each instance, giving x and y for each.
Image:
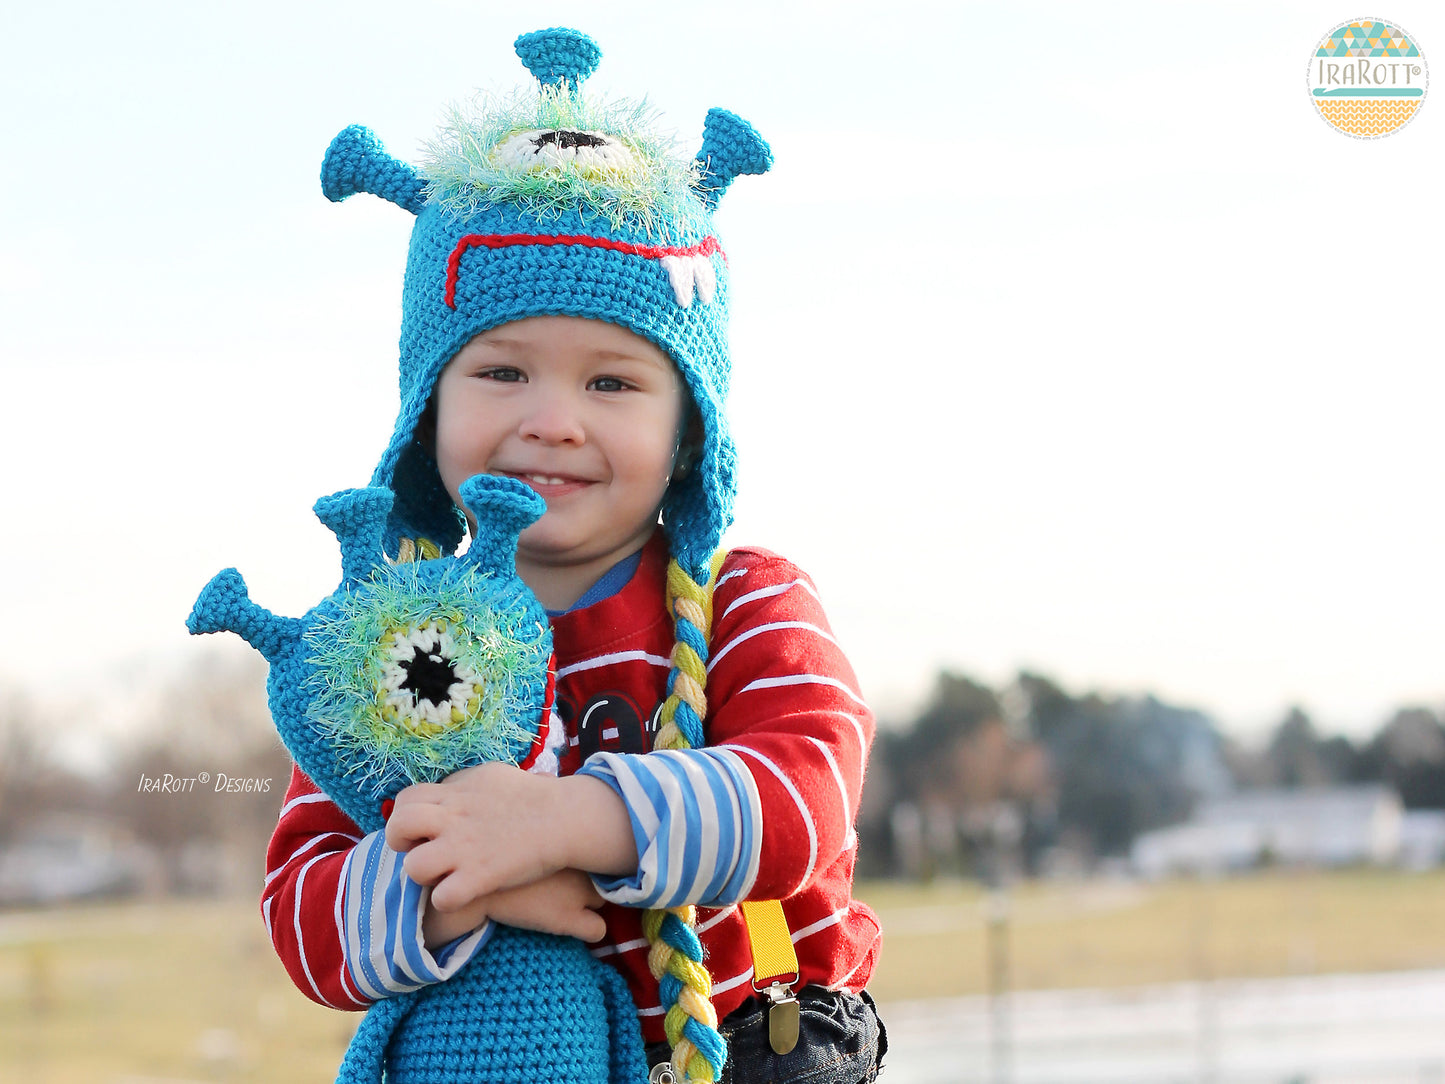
(775, 963)
(773, 955)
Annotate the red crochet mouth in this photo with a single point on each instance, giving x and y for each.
(706, 247)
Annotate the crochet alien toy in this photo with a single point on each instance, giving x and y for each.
(405, 673)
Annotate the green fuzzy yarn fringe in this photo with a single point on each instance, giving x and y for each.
(657, 196)
(352, 654)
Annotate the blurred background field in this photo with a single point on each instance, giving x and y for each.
(190, 990)
(1019, 843)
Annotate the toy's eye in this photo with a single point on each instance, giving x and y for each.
(425, 687)
(429, 675)
(593, 154)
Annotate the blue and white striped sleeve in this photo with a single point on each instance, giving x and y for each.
(382, 912)
(697, 822)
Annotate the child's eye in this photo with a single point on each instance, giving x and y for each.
(608, 383)
(503, 374)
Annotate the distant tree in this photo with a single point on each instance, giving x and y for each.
(1409, 754)
(209, 720)
(1340, 761)
(920, 755)
(33, 784)
(22, 762)
(950, 778)
(1294, 752)
(1048, 709)
(1248, 764)
(1122, 766)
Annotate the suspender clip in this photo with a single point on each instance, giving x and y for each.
(783, 1017)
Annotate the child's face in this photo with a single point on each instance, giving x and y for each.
(586, 413)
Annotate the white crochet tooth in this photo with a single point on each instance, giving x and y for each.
(705, 277)
(680, 271)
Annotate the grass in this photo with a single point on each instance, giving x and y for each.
(935, 938)
(191, 991)
(141, 994)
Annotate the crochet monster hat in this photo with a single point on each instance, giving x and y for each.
(552, 203)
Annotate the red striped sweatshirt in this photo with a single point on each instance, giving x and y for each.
(788, 736)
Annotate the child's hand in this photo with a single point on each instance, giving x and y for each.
(564, 903)
(477, 832)
(440, 927)
(493, 827)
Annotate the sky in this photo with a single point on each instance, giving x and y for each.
(1065, 336)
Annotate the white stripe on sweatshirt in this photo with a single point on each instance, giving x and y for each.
(385, 952)
(696, 819)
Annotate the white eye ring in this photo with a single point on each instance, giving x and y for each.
(419, 714)
(589, 153)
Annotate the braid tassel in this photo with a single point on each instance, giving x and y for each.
(675, 956)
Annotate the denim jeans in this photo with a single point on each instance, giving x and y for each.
(841, 1040)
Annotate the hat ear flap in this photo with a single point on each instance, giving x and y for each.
(357, 162)
(730, 148)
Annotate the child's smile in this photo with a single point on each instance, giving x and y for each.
(586, 413)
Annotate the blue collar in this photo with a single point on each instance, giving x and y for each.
(612, 581)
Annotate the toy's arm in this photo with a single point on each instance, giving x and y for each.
(770, 802)
(341, 913)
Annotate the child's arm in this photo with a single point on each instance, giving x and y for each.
(305, 871)
(351, 927)
(768, 805)
(342, 916)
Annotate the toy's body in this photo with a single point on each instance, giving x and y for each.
(528, 1007)
(405, 674)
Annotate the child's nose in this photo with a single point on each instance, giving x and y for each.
(552, 419)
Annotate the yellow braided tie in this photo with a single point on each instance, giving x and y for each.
(681, 585)
(669, 737)
(686, 601)
(689, 688)
(686, 660)
(697, 1066)
(697, 1006)
(420, 549)
(689, 608)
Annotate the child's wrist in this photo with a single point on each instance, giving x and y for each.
(599, 838)
(440, 928)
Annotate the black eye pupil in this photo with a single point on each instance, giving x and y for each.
(428, 676)
(567, 139)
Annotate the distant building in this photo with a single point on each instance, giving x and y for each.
(1326, 826)
(1422, 839)
(65, 858)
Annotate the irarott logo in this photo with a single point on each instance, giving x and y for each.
(1368, 78)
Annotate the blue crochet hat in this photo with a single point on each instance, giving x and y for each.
(552, 203)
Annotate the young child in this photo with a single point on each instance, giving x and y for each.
(564, 323)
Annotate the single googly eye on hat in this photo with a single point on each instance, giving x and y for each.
(592, 154)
